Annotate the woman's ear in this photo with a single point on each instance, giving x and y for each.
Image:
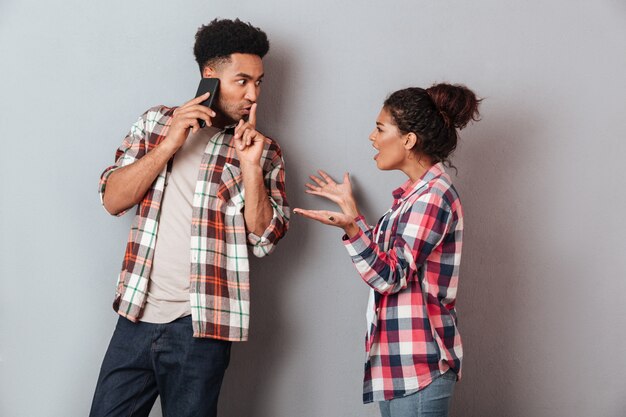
(410, 139)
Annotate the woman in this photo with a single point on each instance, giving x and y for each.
(410, 259)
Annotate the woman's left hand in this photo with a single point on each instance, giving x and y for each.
(339, 193)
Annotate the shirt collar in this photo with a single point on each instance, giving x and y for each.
(229, 130)
(217, 134)
(409, 187)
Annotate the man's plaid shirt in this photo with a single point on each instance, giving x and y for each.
(411, 262)
(219, 269)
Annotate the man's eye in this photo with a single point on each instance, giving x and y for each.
(258, 83)
(241, 82)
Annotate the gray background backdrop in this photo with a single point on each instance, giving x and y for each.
(543, 276)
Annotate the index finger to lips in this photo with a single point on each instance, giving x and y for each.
(252, 118)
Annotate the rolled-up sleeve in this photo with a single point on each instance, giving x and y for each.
(132, 148)
(275, 184)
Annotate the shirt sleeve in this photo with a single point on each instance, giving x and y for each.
(275, 184)
(420, 230)
(133, 147)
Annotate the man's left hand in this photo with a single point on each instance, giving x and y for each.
(248, 141)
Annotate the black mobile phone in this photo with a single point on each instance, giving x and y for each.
(210, 85)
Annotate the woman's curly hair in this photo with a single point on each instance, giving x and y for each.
(434, 115)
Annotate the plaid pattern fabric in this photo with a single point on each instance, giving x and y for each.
(411, 262)
(219, 269)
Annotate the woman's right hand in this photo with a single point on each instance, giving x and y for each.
(331, 218)
(339, 193)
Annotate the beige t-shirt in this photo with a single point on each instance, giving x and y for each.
(168, 290)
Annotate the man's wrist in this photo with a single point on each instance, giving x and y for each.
(251, 167)
(168, 147)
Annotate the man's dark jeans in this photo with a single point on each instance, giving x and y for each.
(145, 360)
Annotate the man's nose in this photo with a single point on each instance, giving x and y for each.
(252, 93)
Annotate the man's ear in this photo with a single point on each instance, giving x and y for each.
(410, 140)
(209, 72)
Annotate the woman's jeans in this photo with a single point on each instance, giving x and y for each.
(432, 401)
(145, 360)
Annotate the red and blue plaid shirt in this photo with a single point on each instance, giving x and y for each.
(411, 262)
(219, 268)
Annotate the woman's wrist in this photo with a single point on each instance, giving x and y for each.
(350, 209)
(351, 229)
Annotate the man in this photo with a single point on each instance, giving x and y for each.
(204, 196)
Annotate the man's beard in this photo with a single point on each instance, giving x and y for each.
(229, 114)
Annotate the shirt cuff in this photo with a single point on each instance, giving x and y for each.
(360, 222)
(358, 245)
(104, 178)
(264, 239)
(256, 240)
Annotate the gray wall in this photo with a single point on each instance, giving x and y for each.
(543, 276)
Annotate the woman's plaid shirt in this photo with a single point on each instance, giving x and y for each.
(219, 269)
(411, 262)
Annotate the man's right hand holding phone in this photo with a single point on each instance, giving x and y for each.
(128, 185)
(185, 119)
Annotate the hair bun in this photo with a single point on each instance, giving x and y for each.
(458, 103)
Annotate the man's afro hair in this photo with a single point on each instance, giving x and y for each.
(219, 39)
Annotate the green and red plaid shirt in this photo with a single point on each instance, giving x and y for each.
(219, 268)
